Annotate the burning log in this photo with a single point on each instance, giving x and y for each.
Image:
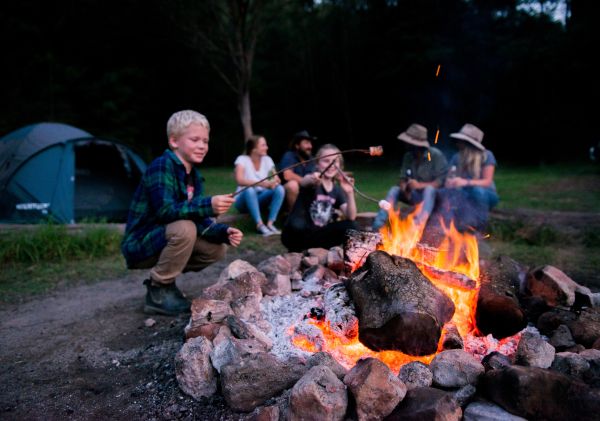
(452, 338)
(449, 278)
(498, 308)
(357, 247)
(398, 307)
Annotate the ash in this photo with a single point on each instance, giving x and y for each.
(283, 313)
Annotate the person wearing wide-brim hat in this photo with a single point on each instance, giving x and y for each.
(423, 170)
(472, 171)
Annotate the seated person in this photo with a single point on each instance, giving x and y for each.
(423, 170)
(168, 228)
(313, 222)
(472, 191)
(300, 149)
(251, 167)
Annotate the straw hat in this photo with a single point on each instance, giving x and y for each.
(472, 134)
(415, 135)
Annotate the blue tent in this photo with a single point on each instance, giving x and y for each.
(52, 171)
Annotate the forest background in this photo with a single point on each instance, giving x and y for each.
(352, 72)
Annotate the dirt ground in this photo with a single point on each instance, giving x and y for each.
(85, 353)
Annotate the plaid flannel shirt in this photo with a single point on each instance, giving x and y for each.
(161, 198)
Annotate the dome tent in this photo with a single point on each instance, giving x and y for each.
(53, 171)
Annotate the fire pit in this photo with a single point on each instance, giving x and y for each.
(408, 329)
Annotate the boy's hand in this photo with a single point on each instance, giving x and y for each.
(235, 236)
(221, 203)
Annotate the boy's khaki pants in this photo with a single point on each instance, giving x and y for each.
(184, 252)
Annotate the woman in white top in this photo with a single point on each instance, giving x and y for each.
(251, 167)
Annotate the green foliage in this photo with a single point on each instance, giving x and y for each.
(332, 65)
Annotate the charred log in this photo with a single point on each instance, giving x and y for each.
(451, 279)
(398, 308)
(357, 247)
(452, 338)
(340, 312)
(498, 309)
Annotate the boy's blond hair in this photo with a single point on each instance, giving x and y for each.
(181, 120)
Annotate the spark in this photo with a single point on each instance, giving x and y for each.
(437, 135)
(437, 72)
(428, 156)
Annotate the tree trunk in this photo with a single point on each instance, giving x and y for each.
(245, 114)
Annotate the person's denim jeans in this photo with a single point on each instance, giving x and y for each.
(252, 201)
(468, 207)
(482, 196)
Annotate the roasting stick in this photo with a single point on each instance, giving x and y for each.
(372, 151)
(372, 199)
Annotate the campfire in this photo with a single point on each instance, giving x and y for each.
(452, 271)
(402, 321)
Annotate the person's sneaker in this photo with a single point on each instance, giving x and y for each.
(273, 229)
(165, 299)
(264, 231)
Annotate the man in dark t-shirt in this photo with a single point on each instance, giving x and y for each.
(300, 151)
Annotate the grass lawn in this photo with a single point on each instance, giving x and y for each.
(40, 259)
(550, 187)
(565, 187)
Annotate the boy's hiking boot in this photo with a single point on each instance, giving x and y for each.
(165, 299)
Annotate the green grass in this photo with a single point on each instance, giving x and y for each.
(567, 187)
(19, 280)
(53, 243)
(41, 258)
(45, 257)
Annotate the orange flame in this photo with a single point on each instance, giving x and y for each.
(458, 252)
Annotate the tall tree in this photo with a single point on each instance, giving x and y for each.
(227, 32)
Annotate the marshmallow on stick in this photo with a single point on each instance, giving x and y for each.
(385, 205)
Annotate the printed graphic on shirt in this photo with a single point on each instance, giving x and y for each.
(321, 210)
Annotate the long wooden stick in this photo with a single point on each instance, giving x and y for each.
(372, 199)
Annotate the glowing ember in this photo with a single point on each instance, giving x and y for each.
(437, 72)
(347, 351)
(428, 156)
(437, 135)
